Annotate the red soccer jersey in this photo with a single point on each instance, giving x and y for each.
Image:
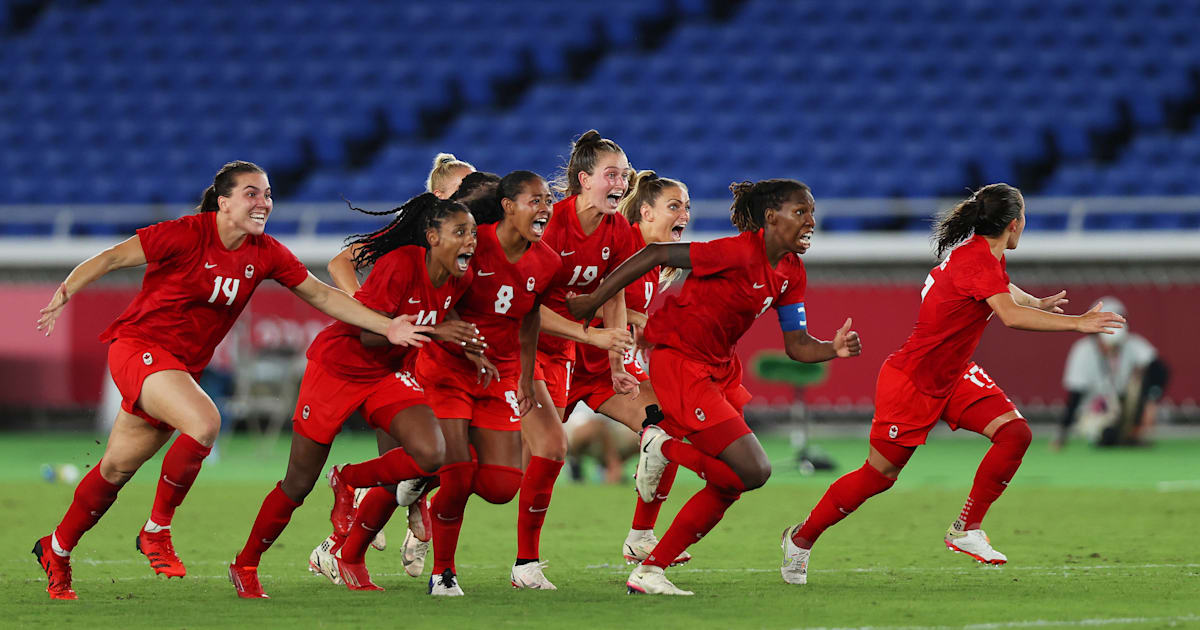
(586, 259)
(502, 293)
(194, 288)
(731, 284)
(953, 314)
(638, 296)
(397, 285)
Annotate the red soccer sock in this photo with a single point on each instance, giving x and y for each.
(708, 467)
(179, 469)
(697, 517)
(646, 514)
(393, 466)
(93, 496)
(448, 506)
(843, 497)
(273, 517)
(1009, 444)
(536, 488)
(373, 513)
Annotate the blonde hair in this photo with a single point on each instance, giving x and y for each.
(585, 151)
(443, 165)
(646, 188)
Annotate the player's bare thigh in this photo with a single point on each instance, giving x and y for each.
(541, 429)
(629, 410)
(497, 448)
(420, 433)
(131, 442)
(456, 433)
(171, 396)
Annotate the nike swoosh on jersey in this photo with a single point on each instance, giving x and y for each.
(759, 286)
(413, 301)
(485, 273)
(209, 265)
(566, 253)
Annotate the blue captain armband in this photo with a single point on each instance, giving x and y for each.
(792, 317)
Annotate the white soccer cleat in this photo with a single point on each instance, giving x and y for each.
(974, 543)
(412, 554)
(380, 541)
(640, 543)
(795, 560)
(650, 580)
(651, 462)
(409, 490)
(445, 585)
(322, 562)
(530, 575)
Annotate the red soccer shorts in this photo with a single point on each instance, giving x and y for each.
(130, 361)
(702, 402)
(905, 416)
(327, 400)
(556, 372)
(452, 390)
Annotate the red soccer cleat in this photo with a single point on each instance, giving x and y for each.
(245, 580)
(355, 575)
(57, 568)
(342, 514)
(160, 551)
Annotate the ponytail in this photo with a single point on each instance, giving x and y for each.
(752, 199)
(443, 165)
(986, 212)
(585, 152)
(223, 182)
(413, 219)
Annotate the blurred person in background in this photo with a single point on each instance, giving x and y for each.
(1113, 383)
(201, 270)
(591, 435)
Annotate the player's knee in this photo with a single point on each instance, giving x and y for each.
(117, 472)
(203, 426)
(497, 484)
(755, 475)
(430, 457)
(1015, 432)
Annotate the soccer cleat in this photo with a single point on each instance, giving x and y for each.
(795, 560)
(420, 522)
(974, 543)
(355, 575)
(529, 575)
(651, 462)
(650, 580)
(57, 568)
(160, 551)
(322, 562)
(640, 543)
(380, 540)
(412, 554)
(409, 490)
(445, 585)
(342, 513)
(245, 580)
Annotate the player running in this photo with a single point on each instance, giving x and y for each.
(421, 268)
(201, 270)
(694, 368)
(932, 376)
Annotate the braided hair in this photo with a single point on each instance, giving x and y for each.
(413, 219)
(752, 199)
(478, 193)
(223, 182)
(986, 212)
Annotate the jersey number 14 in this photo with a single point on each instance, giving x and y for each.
(226, 286)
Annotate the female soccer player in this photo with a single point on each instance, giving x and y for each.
(201, 271)
(932, 376)
(421, 268)
(513, 269)
(591, 239)
(693, 366)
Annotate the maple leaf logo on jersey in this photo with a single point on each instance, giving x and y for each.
(447, 302)
(700, 414)
(249, 271)
(147, 358)
(604, 253)
(304, 412)
(529, 284)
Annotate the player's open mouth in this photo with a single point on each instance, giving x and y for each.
(806, 238)
(614, 199)
(259, 217)
(463, 260)
(677, 230)
(538, 227)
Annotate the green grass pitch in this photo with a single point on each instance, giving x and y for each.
(1094, 538)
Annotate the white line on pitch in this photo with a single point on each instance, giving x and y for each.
(1034, 623)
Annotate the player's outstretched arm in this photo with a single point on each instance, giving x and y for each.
(127, 253)
(336, 304)
(608, 338)
(805, 348)
(341, 270)
(584, 307)
(527, 334)
(1021, 317)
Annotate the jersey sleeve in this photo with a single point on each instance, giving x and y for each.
(980, 279)
(167, 239)
(797, 285)
(385, 286)
(713, 257)
(286, 269)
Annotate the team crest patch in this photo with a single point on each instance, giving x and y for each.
(604, 253)
(700, 414)
(147, 358)
(447, 302)
(529, 284)
(893, 431)
(783, 288)
(249, 271)
(304, 412)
